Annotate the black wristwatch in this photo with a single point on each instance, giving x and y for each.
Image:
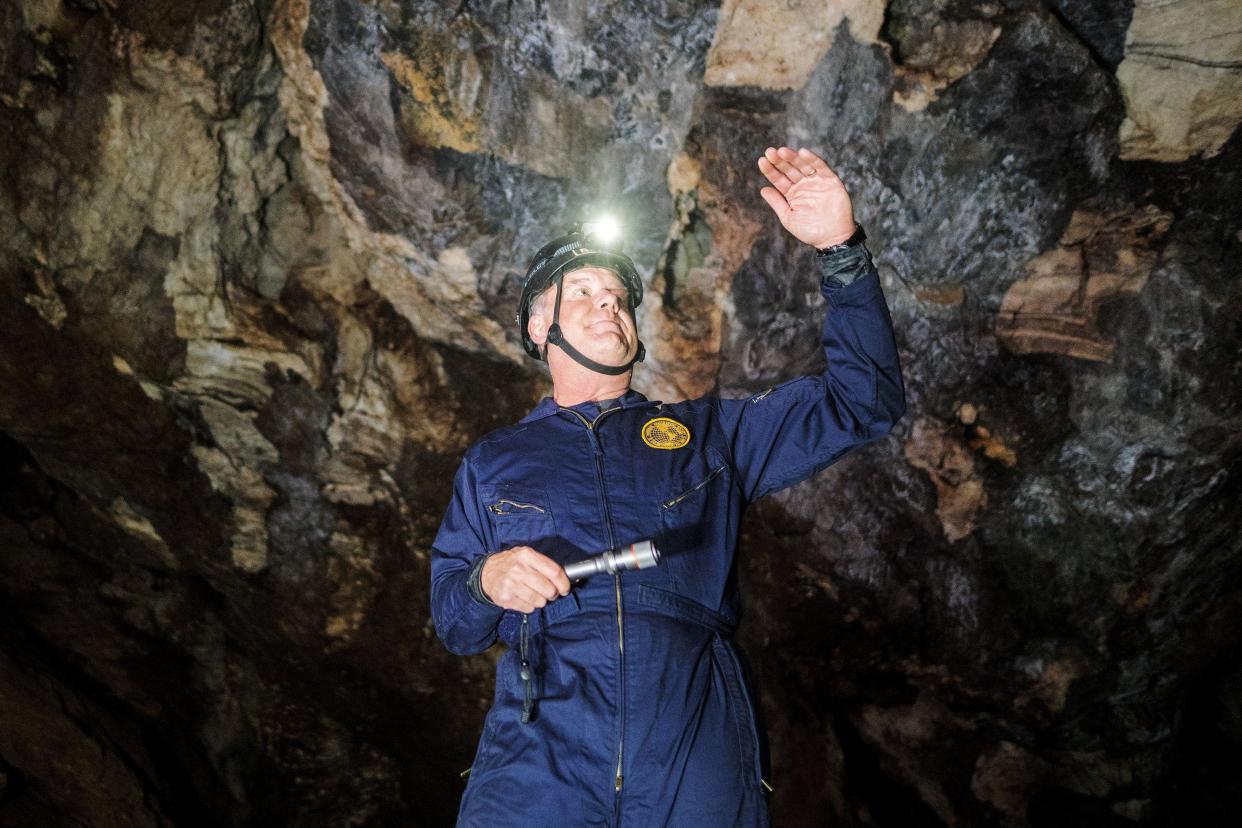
(856, 238)
(474, 583)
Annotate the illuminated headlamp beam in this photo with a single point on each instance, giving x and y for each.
(604, 229)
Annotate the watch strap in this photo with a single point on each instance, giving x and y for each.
(856, 238)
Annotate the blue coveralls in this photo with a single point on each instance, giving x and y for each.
(640, 711)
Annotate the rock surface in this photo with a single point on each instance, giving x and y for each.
(1099, 260)
(776, 46)
(257, 277)
(1181, 78)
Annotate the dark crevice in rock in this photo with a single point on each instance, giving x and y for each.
(1059, 807)
(1100, 24)
(128, 306)
(122, 739)
(686, 250)
(173, 773)
(1207, 781)
(744, 100)
(1040, 96)
(1201, 193)
(882, 799)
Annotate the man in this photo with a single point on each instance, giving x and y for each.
(621, 699)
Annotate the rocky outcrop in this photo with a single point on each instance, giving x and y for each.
(931, 50)
(960, 493)
(776, 46)
(257, 279)
(1181, 79)
(1101, 259)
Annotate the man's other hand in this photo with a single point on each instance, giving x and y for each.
(522, 579)
(807, 196)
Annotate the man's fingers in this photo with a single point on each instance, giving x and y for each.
(773, 175)
(548, 568)
(815, 205)
(783, 159)
(527, 600)
(790, 158)
(540, 574)
(807, 163)
(537, 595)
(803, 160)
(522, 579)
(523, 594)
(549, 572)
(541, 586)
(809, 160)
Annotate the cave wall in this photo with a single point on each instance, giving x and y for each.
(258, 263)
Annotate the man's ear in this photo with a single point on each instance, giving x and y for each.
(537, 328)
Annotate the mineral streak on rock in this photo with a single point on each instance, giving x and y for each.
(1101, 258)
(138, 526)
(434, 119)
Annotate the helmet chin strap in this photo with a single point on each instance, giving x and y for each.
(557, 337)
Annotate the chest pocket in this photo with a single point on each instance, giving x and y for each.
(691, 497)
(695, 521)
(519, 515)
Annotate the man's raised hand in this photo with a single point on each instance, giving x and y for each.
(807, 196)
(522, 579)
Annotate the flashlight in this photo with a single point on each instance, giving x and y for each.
(641, 555)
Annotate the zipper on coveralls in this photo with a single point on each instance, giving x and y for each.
(668, 504)
(499, 507)
(612, 544)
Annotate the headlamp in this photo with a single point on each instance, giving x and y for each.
(604, 229)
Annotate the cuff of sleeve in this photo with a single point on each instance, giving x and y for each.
(864, 287)
(474, 583)
(842, 268)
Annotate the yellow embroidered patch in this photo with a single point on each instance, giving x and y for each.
(663, 433)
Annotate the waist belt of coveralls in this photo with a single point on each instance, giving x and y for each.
(643, 599)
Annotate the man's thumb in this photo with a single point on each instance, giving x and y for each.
(775, 200)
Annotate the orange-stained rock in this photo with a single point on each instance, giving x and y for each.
(960, 496)
(948, 295)
(690, 293)
(1101, 257)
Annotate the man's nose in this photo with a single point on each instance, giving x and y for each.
(608, 299)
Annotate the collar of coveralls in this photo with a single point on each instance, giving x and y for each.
(589, 408)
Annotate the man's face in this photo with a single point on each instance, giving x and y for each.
(594, 317)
